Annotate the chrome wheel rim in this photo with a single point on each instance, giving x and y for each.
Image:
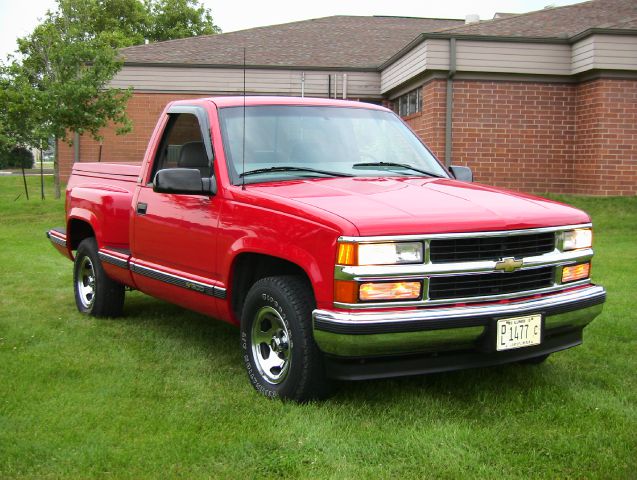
(271, 345)
(86, 282)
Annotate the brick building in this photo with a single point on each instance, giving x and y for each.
(541, 102)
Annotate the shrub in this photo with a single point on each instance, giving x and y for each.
(17, 157)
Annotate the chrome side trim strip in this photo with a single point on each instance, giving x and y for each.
(593, 294)
(55, 239)
(432, 236)
(112, 259)
(365, 272)
(206, 289)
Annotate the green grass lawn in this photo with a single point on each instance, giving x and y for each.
(161, 393)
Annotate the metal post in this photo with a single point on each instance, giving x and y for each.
(41, 174)
(345, 86)
(302, 84)
(76, 147)
(24, 178)
(449, 109)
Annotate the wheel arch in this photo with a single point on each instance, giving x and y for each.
(80, 225)
(249, 267)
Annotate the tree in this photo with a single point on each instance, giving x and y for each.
(57, 85)
(17, 157)
(170, 19)
(16, 122)
(121, 23)
(131, 22)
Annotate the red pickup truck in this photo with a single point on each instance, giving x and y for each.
(336, 241)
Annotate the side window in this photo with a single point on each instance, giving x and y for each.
(182, 145)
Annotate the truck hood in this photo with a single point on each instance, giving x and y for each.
(406, 206)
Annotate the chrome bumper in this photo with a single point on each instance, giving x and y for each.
(57, 237)
(360, 334)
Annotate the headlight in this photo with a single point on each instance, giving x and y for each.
(578, 238)
(389, 253)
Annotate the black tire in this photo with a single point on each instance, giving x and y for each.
(536, 360)
(287, 362)
(95, 293)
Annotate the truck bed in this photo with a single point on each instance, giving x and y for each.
(126, 172)
(101, 194)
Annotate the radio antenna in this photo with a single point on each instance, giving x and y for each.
(243, 149)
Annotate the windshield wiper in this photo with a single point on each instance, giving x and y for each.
(401, 165)
(294, 169)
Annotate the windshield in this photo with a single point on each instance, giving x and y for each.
(293, 142)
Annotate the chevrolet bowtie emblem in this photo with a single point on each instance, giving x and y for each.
(509, 264)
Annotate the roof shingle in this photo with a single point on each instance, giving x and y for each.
(556, 22)
(330, 42)
(366, 43)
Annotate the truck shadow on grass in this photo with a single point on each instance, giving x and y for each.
(468, 391)
(503, 382)
(208, 335)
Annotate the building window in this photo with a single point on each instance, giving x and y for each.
(409, 103)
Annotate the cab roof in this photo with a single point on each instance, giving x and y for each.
(238, 101)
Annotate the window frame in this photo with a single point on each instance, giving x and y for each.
(234, 175)
(204, 129)
(405, 99)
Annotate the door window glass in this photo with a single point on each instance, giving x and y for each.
(182, 145)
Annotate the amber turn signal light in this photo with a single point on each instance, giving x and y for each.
(390, 291)
(347, 254)
(576, 272)
(345, 291)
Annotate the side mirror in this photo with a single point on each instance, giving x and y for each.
(183, 180)
(464, 174)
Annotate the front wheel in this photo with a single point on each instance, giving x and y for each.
(279, 351)
(95, 293)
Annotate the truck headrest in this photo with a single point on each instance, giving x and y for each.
(193, 155)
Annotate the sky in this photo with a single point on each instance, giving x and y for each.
(18, 18)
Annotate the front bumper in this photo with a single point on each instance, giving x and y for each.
(466, 328)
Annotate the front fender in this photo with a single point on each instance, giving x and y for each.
(252, 229)
(285, 251)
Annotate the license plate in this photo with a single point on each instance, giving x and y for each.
(519, 332)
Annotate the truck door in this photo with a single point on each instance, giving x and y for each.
(174, 235)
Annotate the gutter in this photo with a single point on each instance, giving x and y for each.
(563, 40)
(603, 31)
(309, 68)
(449, 107)
(485, 38)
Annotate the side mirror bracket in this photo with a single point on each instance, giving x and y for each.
(209, 185)
(464, 174)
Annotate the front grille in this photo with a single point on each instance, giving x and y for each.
(491, 248)
(478, 285)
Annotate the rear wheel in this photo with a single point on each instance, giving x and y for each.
(95, 293)
(279, 351)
